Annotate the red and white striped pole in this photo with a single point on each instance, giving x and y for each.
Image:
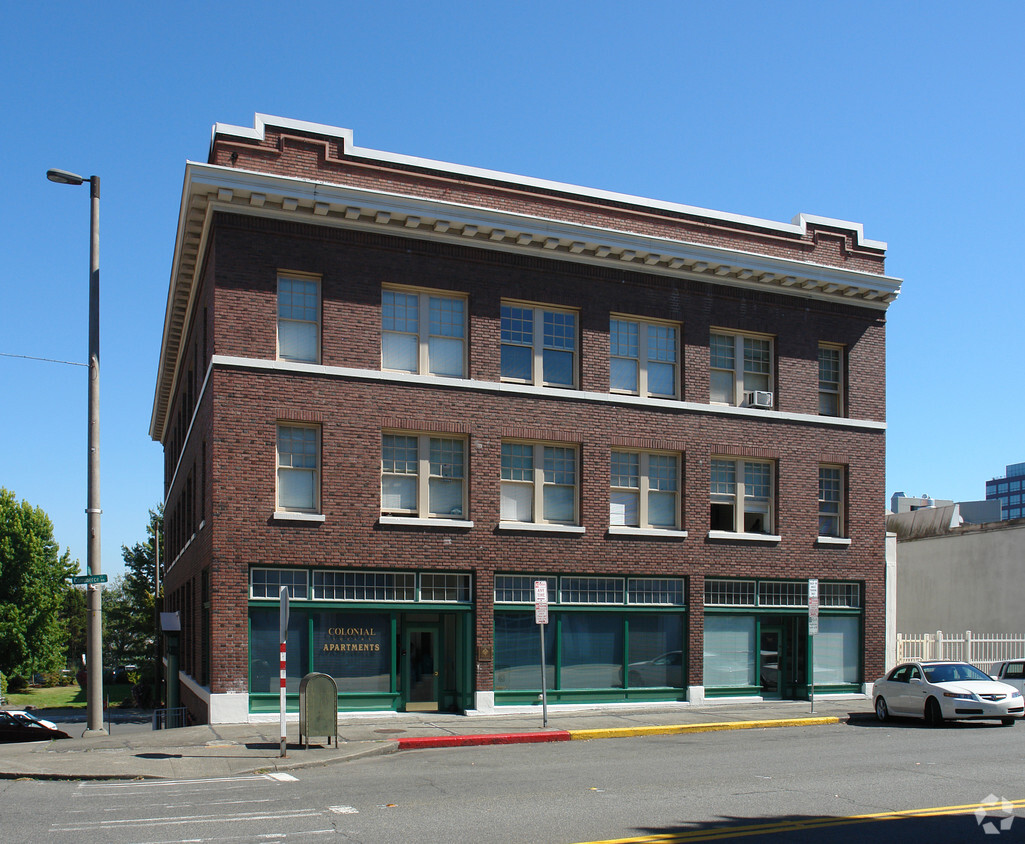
(283, 636)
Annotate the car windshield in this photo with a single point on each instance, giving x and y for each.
(953, 672)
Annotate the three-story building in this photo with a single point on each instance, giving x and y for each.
(407, 390)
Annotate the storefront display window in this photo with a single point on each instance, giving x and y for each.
(592, 651)
(518, 652)
(355, 649)
(265, 651)
(836, 650)
(729, 651)
(656, 657)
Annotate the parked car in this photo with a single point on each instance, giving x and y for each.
(16, 725)
(1011, 672)
(664, 670)
(939, 691)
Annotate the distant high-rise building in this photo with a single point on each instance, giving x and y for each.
(1008, 490)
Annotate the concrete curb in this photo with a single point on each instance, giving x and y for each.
(425, 742)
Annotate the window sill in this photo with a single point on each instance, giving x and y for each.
(832, 540)
(661, 533)
(412, 521)
(766, 538)
(531, 527)
(285, 516)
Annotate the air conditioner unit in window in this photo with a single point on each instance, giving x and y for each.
(758, 398)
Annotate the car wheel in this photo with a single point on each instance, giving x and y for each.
(1008, 722)
(933, 713)
(882, 713)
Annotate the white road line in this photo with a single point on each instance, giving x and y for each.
(165, 783)
(147, 822)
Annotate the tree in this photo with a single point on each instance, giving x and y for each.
(129, 601)
(33, 584)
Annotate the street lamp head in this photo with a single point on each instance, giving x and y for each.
(64, 177)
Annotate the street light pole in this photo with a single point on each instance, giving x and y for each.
(94, 632)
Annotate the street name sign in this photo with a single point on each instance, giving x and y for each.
(89, 578)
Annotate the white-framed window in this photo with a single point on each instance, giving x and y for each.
(445, 588)
(741, 496)
(539, 483)
(740, 370)
(267, 583)
(298, 468)
(423, 476)
(591, 590)
(643, 357)
(644, 490)
(539, 345)
(423, 332)
(830, 380)
(831, 495)
(298, 317)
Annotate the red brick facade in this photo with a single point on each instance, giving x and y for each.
(220, 425)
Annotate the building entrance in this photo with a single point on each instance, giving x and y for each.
(420, 668)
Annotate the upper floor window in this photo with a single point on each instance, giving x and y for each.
(539, 483)
(642, 357)
(299, 468)
(645, 490)
(741, 492)
(539, 345)
(831, 501)
(830, 380)
(298, 318)
(423, 333)
(423, 476)
(741, 370)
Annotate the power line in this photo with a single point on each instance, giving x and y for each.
(45, 360)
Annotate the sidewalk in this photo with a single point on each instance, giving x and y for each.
(238, 749)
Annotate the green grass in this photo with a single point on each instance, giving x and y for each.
(67, 697)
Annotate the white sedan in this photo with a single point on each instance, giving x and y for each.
(939, 691)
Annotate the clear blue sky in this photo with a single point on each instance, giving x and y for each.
(906, 117)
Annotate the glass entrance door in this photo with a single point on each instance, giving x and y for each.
(770, 659)
(421, 669)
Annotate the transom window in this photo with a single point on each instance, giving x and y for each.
(783, 593)
(830, 383)
(364, 586)
(741, 492)
(445, 588)
(298, 318)
(779, 593)
(831, 501)
(423, 333)
(729, 593)
(539, 483)
(298, 468)
(539, 345)
(741, 370)
(570, 589)
(840, 595)
(423, 476)
(645, 490)
(643, 358)
(267, 583)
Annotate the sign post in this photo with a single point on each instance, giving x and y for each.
(541, 619)
(813, 629)
(283, 637)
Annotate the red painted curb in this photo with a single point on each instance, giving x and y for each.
(422, 742)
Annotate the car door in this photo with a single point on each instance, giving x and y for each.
(892, 689)
(915, 693)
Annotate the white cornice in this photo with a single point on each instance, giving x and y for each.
(259, 133)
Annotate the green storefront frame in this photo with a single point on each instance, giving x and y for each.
(370, 625)
(561, 668)
(795, 652)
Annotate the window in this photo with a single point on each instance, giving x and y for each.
(298, 318)
(740, 367)
(642, 358)
(423, 333)
(539, 346)
(539, 483)
(644, 490)
(267, 583)
(831, 501)
(298, 468)
(741, 493)
(830, 383)
(423, 476)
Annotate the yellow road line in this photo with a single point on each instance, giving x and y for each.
(623, 732)
(722, 833)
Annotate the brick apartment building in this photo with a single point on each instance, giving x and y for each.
(408, 389)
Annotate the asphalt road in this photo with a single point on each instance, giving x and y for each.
(836, 783)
